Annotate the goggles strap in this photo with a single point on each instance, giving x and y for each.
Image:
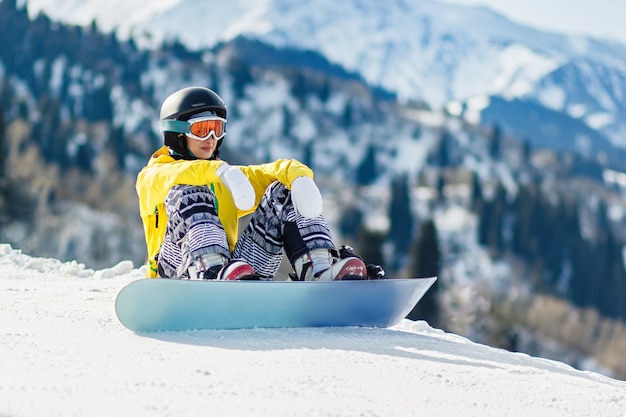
(176, 126)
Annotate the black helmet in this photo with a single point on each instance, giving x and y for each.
(183, 104)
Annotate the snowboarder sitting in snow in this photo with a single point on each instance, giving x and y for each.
(190, 203)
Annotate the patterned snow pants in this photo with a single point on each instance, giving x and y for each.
(194, 229)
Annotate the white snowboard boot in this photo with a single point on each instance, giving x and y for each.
(320, 265)
(214, 266)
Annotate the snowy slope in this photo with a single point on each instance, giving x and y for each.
(65, 354)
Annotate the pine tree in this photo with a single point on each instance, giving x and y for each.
(442, 153)
(4, 180)
(242, 76)
(608, 269)
(347, 116)
(402, 222)
(426, 260)
(300, 88)
(553, 240)
(367, 171)
(324, 91)
(350, 224)
(495, 142)
(4, 150)
(484, 216)
(491, 226)
(441, 185)
(477, 199)
(526, 152)
(610, 279)
(287, 121)
(496, 238)
(370, 246)
(581, 286)
(527, 209)
(308, 157)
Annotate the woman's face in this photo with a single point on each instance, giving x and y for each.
(202, 149)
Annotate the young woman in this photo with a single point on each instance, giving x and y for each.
(190, 203)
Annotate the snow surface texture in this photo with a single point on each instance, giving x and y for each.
(63, 353)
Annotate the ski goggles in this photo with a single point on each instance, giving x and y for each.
(201, 128)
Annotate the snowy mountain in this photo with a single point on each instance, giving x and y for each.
(65, 353)
(428, 50)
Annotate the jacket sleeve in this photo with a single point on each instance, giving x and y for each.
(282, 170)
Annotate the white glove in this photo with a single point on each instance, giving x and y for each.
(306, 197)
(238, 185)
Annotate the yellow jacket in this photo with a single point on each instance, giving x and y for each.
(162, 172)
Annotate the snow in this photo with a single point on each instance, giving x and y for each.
(431, 50)
(65, 354)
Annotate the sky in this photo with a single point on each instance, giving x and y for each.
(600, 18)
(64, 353)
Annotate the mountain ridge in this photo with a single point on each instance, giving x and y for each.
(429, 51)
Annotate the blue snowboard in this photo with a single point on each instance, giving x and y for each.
(149, 305)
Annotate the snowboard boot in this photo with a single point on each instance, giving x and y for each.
(321, 265)
(373, 271)
(237, 269)
(214, 266)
